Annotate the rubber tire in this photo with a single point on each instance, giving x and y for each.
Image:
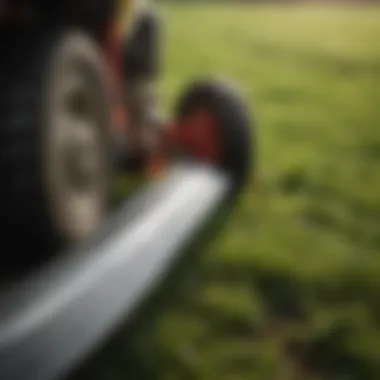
(141, 55)
(87, 13)
(27, 63)
(141, 67)
(232, 116)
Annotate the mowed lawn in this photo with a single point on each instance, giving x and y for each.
(292, 287)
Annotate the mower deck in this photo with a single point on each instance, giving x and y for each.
(79, 298)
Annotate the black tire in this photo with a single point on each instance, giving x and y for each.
(35, 143)
(91, 14)
(234, 123)
(141, 66)
(142, 49)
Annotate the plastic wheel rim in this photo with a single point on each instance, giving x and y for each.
(75, 155)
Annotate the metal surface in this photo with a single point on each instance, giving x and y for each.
(52, 319)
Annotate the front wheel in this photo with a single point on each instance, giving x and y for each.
(213, 124)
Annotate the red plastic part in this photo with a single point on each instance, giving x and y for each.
(197, 134)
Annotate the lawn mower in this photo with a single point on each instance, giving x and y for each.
(78, 107)
(77, 110)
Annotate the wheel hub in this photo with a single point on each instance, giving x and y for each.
(81, 166)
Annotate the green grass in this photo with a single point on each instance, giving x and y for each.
(303, 250)
(312, 78)
(293, 284)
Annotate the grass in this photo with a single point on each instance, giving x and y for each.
(312, 78)
(291, 288)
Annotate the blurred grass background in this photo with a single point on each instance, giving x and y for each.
(291, 289)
